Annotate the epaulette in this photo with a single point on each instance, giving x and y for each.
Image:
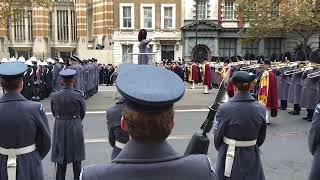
(80, 91)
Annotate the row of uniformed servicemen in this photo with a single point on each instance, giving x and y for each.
(25, 134)
(42, 77)
(146, 155)
(297, 86)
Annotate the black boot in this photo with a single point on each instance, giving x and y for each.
(296, 109)
(283, 104)
(309, 115)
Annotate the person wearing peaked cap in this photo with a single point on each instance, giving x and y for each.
(117, 136)
(310, 92)
(25, 136)
(57, 67)
(148, 117)
(249, 133)
(28, 79)
(268, 95)
(74, 64)
(68, 139)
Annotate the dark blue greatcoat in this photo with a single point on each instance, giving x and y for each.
(23, 123)
(68, 108)
(156, 161)
(241, 119)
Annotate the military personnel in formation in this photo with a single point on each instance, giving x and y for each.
(117, 136)
(68, 139)
(28, 81)
(25, 136)
(314, 144)
(149, 120)
(239, 131)
(310, 92)
(73, 62)
(295, 90)
(57, 67)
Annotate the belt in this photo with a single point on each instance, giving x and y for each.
(119, 145)
(231, 151)
(12, 158)
(58, 117)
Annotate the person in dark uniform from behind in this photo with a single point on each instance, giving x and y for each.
(25, 136)
(117, 136)
(68, 108)
(148, 117)
(314, 144)
(239, 131)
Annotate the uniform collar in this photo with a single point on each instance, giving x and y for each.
(138, 152)
(67, 87)
(242, 96)
(12, 96)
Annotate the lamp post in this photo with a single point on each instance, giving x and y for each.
(196, 22)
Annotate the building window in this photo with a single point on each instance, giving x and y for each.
(202, 9)
(250, 48)
(125, 50)
(227, 47)
(126, 15)
(229, 11)
(147, 17)
(272, 46)
(73, 26)
(19, 29)
(147, 14)
(168, 16)
(62, 25)
(29, 17)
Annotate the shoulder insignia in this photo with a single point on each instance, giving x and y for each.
(41, 108)
(80, 91)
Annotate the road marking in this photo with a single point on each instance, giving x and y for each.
(177, 111)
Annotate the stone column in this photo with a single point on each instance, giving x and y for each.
(40, 32)
(216, 46)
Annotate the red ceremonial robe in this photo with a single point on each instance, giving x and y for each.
(194, 71)
(268, 94)
(207, 78)
(272, 101)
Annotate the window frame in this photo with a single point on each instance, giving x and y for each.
(225, 10)
(153, 12)
(121, 15)
(173, 6)
(206, 9)
(229, 47)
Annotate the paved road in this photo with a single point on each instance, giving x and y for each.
(285, 153)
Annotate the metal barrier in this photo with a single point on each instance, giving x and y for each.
(133, 58)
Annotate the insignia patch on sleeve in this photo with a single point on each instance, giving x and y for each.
(216, 124)
(41, 108)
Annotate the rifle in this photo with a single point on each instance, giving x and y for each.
(199, 142)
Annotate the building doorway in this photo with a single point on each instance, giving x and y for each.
(200, 52)
(167, 52)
